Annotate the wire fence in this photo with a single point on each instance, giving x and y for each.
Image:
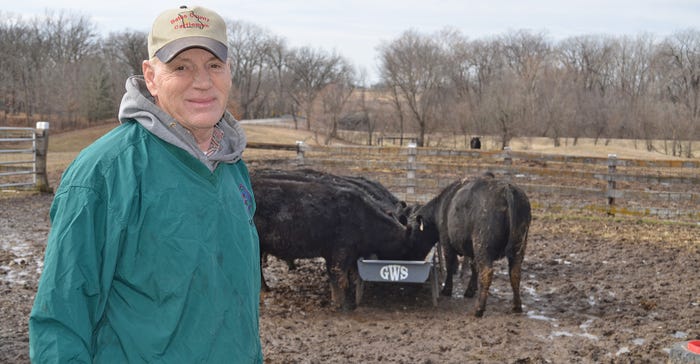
(660, 188)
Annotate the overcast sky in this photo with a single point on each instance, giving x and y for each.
(354, 29)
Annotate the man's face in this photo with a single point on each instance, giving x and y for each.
(193, 88)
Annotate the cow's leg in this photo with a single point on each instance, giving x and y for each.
(485, 269)
(514, 269)
(451, 267)
(472, 286)
(359, 287)
(290, 264)
(337, 293)
(342, 296)
(352, 300)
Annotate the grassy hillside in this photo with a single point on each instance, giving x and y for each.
(63, 147)
(74, 141)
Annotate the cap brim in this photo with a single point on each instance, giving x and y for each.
(172, 49)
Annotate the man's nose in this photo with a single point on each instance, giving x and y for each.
(202, 78)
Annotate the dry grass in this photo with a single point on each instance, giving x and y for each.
(587, 147)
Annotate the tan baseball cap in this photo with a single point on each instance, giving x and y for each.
(176, 30)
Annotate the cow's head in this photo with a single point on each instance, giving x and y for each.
(421, 232)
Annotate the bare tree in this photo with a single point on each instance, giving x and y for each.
(632, 62)
(398, 105)
(486, 58)
(526, 54)
(121, 56)
(367, 108)
(97, 99)
(471, 68)
(71, 42)
(128, 48)
(311, 71)
(588, 63)
(460, 100)
(15, 35)
(412, 66)
(334, 99)
(556, 99)
(679, 58)
(277, 59)
(250, 49)
(33, 73)
(504, 108)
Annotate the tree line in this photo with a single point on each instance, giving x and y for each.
(521, 83)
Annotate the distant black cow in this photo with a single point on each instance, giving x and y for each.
(475, 143)
(485, 219)
(307, 218)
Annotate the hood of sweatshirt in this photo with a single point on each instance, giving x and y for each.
(139, 106)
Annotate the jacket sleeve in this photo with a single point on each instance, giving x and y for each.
(77, 274)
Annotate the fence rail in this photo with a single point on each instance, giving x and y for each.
(664, 188)
(23, 153)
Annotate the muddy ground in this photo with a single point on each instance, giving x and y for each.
(596, 289)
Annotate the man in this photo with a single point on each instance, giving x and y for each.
(153, 255)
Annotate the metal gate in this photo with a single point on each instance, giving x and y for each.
(23, 156)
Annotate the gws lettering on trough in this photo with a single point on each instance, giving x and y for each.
(393, 272)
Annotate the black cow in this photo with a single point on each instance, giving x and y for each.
(475, 143)
(307, 218)
(485, 219)
(372, 190)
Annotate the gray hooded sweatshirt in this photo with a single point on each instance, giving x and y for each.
(139, 105)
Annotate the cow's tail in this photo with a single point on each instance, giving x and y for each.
(519, 216)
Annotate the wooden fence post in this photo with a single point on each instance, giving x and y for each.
(610, 193)
(411, 171)
(41, 152)
(507, 160)
(301, 148)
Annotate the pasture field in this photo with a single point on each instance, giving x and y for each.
(595, 289)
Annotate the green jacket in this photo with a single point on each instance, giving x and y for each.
(152, 257)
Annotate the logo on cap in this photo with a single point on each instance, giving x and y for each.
(190, 19)
(180, 29)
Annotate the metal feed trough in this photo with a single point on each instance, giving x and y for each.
(401, 271)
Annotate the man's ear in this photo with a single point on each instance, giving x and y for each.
(149, 76)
